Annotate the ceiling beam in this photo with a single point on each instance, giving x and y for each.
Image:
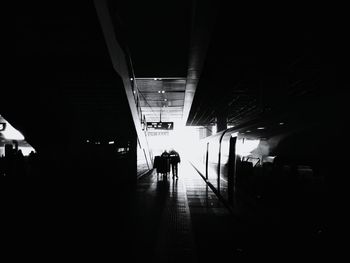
(203, 17)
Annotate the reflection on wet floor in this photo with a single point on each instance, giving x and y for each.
(188, 223)
(160, 220)
(177, 201)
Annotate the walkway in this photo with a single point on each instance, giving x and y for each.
(181, 220)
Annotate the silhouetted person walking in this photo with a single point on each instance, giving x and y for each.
(174, 161)
(157, 165)
(165, 163)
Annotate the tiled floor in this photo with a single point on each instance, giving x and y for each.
(184, 221)
(187, 209)
(157, 221)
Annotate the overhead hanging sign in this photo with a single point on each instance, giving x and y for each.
(160, 125)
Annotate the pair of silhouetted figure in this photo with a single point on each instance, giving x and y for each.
(162, 163)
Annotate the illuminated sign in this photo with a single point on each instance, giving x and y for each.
(160, 125)
(2, 126)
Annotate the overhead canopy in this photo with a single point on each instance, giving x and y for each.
(162, 99)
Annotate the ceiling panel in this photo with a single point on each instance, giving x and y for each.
(161, 97)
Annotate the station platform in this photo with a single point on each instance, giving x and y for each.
(184, 221)
(184, 217)
(158, 220)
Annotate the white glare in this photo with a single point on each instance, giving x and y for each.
(245, 147)
(111, 142)
(185, 140)
(26, 150)
(11, 133)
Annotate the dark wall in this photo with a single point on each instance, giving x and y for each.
(64, 90)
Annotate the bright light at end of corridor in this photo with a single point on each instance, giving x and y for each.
(186, 140)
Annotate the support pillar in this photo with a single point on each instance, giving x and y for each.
(221, 122)
(132, 161)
